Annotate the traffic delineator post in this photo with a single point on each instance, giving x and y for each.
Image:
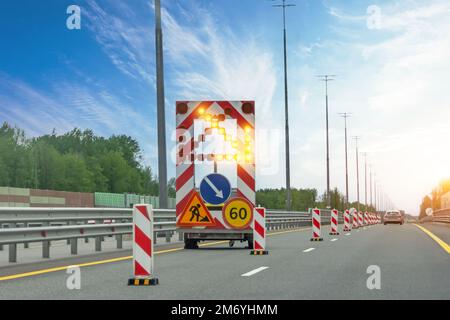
(143, 247)
(259, 232)
(355, 219)
(316, 225)
(360, 219)
(334, 223)
(347, 225)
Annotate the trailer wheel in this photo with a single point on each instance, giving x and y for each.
(190, 244)
(250, 242)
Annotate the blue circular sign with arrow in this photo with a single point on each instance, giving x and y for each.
(215, 189)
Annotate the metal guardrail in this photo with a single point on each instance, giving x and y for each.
(27, 225)
(442, 216)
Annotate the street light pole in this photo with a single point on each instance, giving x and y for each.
(326, 78)
(284, 5)
(346, 115)
(365, 181)
(357, 171)
(375, 195)
(370, 185)
(162, 153)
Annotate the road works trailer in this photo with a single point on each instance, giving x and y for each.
(209, 134)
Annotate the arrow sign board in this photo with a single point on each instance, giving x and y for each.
(215, 189)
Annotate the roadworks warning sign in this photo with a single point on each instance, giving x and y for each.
(196, 214)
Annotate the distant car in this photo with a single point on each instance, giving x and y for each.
(393, 216)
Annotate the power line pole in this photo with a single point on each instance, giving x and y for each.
(162, 153)
(346, 115)
(326, 78)
(284, 5)
(356, 138)
(370, 184)
(365, 181)
(375, 194)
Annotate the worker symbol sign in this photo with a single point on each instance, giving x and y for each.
(215, 189)
(196, 214)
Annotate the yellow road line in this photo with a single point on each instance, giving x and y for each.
(88, 264)
(289, 231)
(440, 242)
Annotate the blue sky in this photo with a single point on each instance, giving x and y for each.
(392, 78)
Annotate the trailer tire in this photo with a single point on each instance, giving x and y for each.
(250, 242)
(190, 244)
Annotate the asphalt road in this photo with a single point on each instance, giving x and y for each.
(412, 266)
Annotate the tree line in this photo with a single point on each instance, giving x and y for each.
(303, 199)
(75, 161)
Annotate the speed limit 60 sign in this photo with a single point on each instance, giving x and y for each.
(238, 213)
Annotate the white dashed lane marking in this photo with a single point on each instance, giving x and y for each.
(250, 273)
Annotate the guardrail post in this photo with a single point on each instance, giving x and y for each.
(73, 243)
(102, 238)
(74, 246)
(45, 246)
(45, 249)
(26, 245)
(13, 252)
(98, 243)
(119, 239)
(86, 240)
(1, 246)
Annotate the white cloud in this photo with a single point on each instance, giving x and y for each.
(211, 64)
(399, 97)
(124, 39)
(68, 105)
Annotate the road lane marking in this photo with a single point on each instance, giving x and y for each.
(250, 273)
(100, 262)
(347, 234)
(308, 250)
(439, 241)
(87, 264)
(333, 240)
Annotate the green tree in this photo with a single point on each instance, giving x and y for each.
(77, 160)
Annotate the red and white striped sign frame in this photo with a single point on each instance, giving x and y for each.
(188, 111)
(316, 225)
(143, 241)
(366, 218)
(259, 231)
(360, 219)
(334, 222)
